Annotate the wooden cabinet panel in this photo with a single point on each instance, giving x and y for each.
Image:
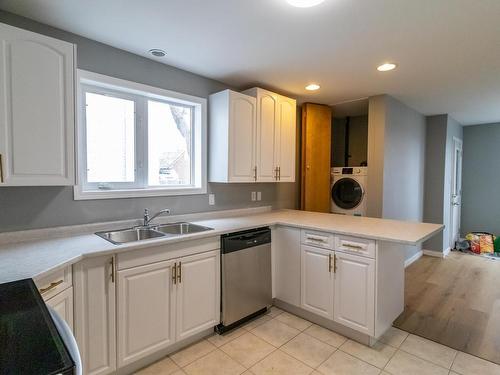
(242, 138)
(316, 146)
(62, 304)
(355, 292)
(232, 137)
(94, 315)
(285, 139)
(286, 245)
(267, 105)
(146, 298)
(317, 281)
(198, 293)
(37, 109)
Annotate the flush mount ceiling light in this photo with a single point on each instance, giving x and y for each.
(304, 3)
(386, 67)
(312, 87)
(156, 52)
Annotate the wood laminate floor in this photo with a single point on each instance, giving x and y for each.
(456, 302)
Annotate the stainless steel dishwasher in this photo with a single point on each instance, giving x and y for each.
(246, 276)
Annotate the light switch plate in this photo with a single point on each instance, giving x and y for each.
(259, 196)
(211, 199)
(254, 196)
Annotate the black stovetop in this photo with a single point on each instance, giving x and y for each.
(29, 340)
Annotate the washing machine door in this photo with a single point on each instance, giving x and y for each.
(347, 193)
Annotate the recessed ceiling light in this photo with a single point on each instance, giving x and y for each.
(313, 87)
(157, 52)
(386, 67)
(304, 3)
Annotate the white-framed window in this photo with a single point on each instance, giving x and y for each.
(136, 140)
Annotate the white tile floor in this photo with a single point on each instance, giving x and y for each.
(280, 343)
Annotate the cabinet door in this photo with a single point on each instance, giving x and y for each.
(267, 105)
(286, 245)
(62, 304)
(94, 314)
(198, 293)
(355, 292)
(285, 139)
(317, 280)
(146, 297)
(37, 109)
(242, 123)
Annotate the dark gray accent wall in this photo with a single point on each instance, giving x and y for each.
(39, 207)
(481, 179)
(441, 129)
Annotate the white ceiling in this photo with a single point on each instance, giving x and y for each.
(448, 51)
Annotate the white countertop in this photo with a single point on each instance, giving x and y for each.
(37, 257)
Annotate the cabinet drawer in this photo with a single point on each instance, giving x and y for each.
(54, 283)
(318, 239)
(355, 245)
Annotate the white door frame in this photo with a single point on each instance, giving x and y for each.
(455, 190)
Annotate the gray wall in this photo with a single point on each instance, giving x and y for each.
(481, 179)
(441, 129)
(396, 161)
(435, 176)
(38, 207)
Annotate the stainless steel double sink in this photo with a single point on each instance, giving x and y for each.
(135, 234)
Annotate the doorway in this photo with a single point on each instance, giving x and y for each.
(456, 191)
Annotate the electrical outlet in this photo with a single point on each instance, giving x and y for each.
(259, 196)
(211, 199)
(253, 197)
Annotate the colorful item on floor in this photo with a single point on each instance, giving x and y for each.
(481, 243)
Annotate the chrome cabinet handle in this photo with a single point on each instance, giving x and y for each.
(51, 286)
(315, 238)
(330, 263)
(279, 173)
(179, 273)
(350, 246)
(174, 274)
(112, 269)
(1, 169)
(276, 173)
(255, 173)
(335, 263)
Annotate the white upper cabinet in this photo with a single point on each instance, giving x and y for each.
(36, 109)
(232, 137)
(284, 146)
(276, 132)
(252, 137)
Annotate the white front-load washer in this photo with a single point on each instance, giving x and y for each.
(348, 190)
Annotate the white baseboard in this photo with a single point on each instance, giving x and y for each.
(437, 254)
(414, 258)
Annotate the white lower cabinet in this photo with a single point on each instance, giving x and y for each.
(165, 302)
(95, 324)
(146, 297)
(354, 305)
(62, 304)
(198, 293)
(286, 272)
(317, 280)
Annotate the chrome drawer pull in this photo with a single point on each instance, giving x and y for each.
(350, 246)
(51, 286)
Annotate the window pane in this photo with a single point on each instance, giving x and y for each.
(110, 139)
(169, 144)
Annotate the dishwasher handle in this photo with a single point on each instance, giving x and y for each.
(243, 240)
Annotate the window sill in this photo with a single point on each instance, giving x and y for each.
(79, 194)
